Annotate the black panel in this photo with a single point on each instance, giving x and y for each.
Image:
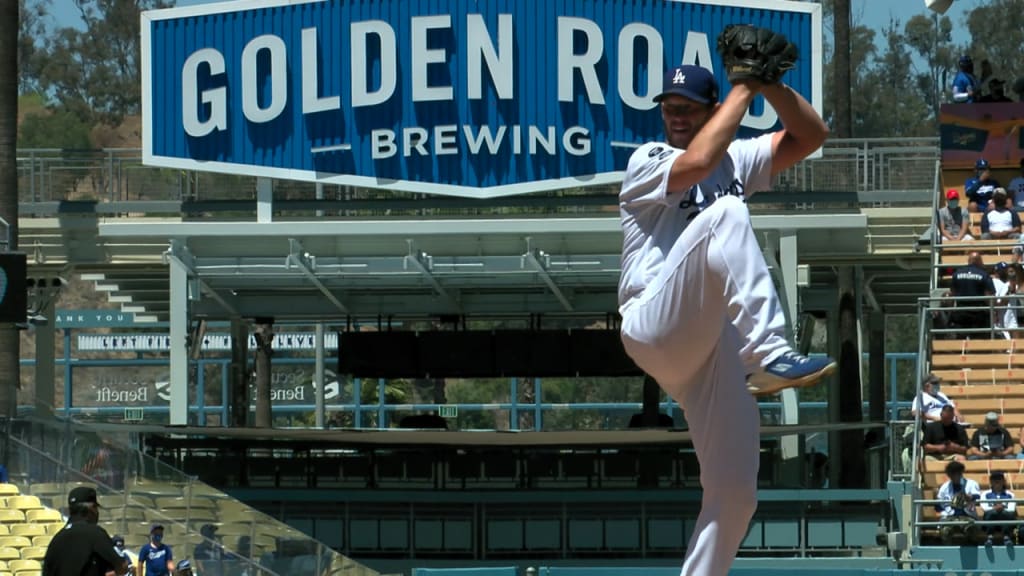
(378, 354)
(456, 354)
(600, 353)
(13, 298)
(532, 353)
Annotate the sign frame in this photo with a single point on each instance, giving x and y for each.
(150, 157)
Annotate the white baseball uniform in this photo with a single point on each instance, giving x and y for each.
(699, 314)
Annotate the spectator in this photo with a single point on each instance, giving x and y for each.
(118, 541)
(991, 441)
(83, 547)
(994, 509)
(972, 281)
(945, 439)
(1000, 222)
(155, 557)
(209, 554)
(958, 510)
(964, 84)
(184, 568)
(996, 92)
(1016, 188)
(981, 187)
(933, 401)
(1004, 316)
(954, 221)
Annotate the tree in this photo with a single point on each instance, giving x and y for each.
(10, 339)
(54, 129)
(891, 104)
(932, 39)
(95, 72)
(263, 331)
(997, 33)
(31, 32)
(841, 74)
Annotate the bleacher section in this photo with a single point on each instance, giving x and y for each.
(26, 527)
(147, 492)
(980, 376)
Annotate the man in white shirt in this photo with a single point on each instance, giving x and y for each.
(994, 507)
(960, 496)
(700, 313)
(933, 400)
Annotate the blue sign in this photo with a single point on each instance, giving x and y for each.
(475, 98)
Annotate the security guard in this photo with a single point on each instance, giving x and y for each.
(82, 547)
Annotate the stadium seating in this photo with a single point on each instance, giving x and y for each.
(981, 376)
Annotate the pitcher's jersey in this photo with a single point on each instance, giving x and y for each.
(653, 217)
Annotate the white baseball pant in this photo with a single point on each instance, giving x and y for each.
(710, 318)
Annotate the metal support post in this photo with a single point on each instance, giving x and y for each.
(318, 375)
(790, 445)
(179, 321)
(264, 200)
(46, 359)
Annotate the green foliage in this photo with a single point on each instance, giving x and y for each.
(932, 39)
(997, 34)
(94, 72)
(57, 129)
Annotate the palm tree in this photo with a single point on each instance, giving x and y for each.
(10, 374)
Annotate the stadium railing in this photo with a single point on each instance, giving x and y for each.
(883, 170)
(934, 307)
(48, 457)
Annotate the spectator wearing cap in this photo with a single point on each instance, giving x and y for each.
(945, 439)
(209, 554)
(82, 547)
(996, 92)
(964, 83)
(118, 541)
(991, 440)
(155, 557)
(1016, 188)
(932, 400)
(981, 187)
(993, 506)
(954, 221)
(1000, 222)
(184, 568)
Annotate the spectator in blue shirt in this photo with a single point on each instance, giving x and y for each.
(996, 510)
(155, 557)
(979, 190)
(964, 84)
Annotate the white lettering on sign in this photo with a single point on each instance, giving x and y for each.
(153, 342)
(108, 395)
(416, 140)
(373, 46)
(385, 36)
(214, 97)
(311, 100)
(423, 57)
(251, 73)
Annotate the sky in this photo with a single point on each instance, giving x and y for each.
(873, 13)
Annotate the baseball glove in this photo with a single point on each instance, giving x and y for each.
(752, 53)
(960, 501)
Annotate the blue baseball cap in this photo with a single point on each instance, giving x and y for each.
(693, 82)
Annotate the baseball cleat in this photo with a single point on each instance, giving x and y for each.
(791, 370)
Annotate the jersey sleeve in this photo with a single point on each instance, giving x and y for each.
(646, 178)
(753, 163)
